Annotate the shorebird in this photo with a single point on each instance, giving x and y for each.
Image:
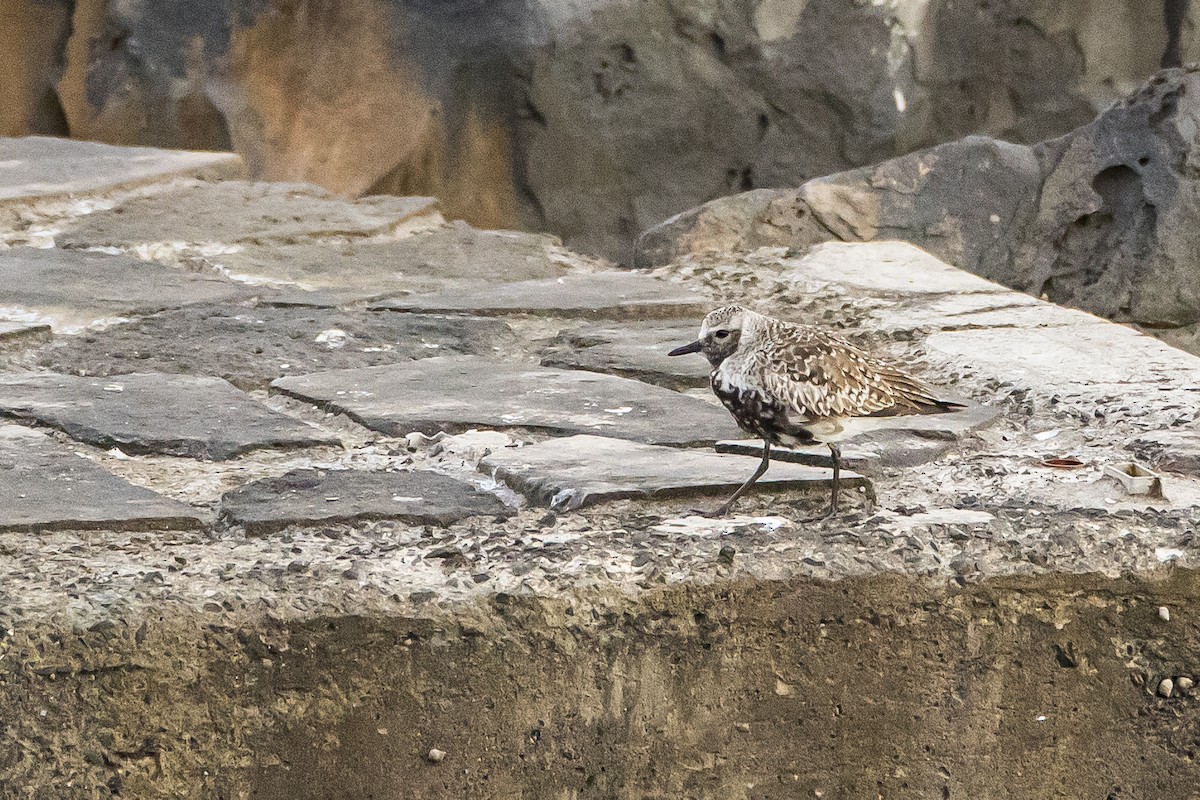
(794, 385)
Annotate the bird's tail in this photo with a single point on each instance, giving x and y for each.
(918, 397)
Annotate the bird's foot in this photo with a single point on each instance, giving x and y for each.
(714, 513)
(829, 512)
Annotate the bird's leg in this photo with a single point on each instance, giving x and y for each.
(758, 473)
(836, 453)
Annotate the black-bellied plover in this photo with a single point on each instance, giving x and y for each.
(795, 385)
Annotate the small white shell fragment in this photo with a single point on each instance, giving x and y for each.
(334, 338)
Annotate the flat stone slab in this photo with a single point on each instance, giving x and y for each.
(454, 394)
(47, 487)
(583, 470)
(1084, 358)
(332, 274)
(968, 311)
(239, 211)
(635, 350)
(315, 497)
(250, 347)
(42, 166)
(175, 415)
(605, 295)
(886, 268)
(71, 290)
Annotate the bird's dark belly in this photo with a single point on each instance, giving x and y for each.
(758, 414)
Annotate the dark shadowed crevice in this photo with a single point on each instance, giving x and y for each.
(49, 118)
(1174, 15)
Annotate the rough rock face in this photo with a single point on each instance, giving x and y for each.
(1101, 218)
(593, 120)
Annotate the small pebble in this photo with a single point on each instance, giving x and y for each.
(744, 727)
(1164, 613)
(435, 756)
(1184, 684)
(1166, 687)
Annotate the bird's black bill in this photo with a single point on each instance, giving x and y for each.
(694, 347)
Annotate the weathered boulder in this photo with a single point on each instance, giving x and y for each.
(489, 106)
(1101, 218)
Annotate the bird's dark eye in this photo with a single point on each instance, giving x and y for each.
(722, 334)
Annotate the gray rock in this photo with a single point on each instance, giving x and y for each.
(71, 290)
(745, 221)
(250, 347)
(1112, 230)
(1173, 450)
(314, 497)
(964, 202)
(1098, 218)
(464, 392)
(150, 413)
(47, 487)
(229, 212)
(605, 295)
(584, 470)
(357, 270)
(1166, 687)
(635, 350)
(38, 166)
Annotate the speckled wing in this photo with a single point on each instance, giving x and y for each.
(820, 375)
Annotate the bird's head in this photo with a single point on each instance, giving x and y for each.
(720, 334)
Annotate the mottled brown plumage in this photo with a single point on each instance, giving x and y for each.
(794, 384)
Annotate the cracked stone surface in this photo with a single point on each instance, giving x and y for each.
(605, 295)
(36, 166)
(454, 394)
(635, 350)
(250, 347)
(576, 471)
(336, 273)
(72, 290)
(317, 497)
(229, 212)
(47, 487)
(985, 548)
(190, 416)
